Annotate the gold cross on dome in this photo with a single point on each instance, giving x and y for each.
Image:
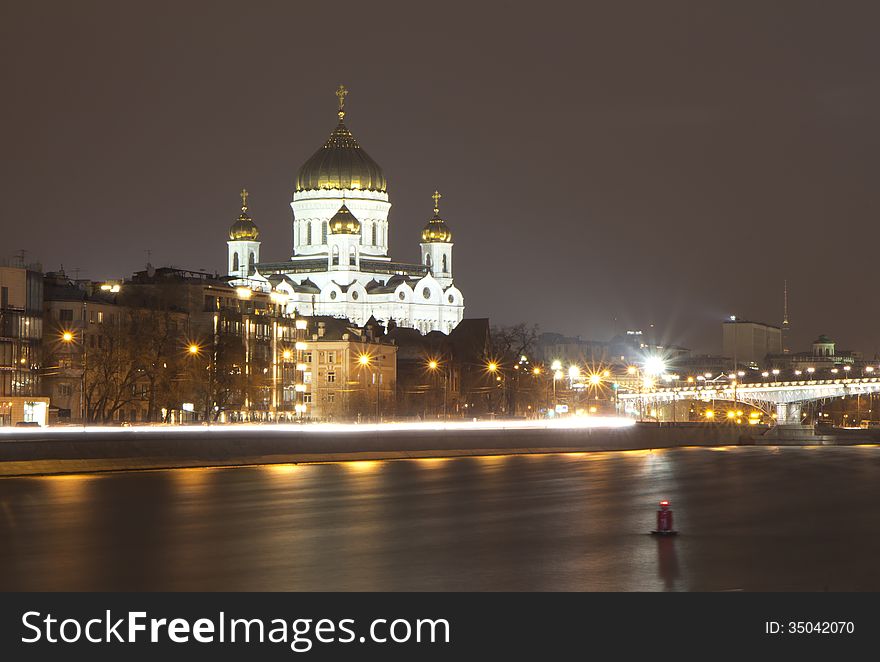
(436, 197)
(244, 195)
(341, 92)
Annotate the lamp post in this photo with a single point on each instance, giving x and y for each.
(69, 338)
(366, 361)
(435, 366)
(492, 368)
(556, 367)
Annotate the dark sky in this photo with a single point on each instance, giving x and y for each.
(658, 162)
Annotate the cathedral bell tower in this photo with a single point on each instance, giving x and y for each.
(437, 246)
(244, 247)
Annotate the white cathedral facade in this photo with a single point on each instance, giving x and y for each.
(340, 264)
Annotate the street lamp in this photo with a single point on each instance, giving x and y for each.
(366, 361)
(434, 366)
(69, 338)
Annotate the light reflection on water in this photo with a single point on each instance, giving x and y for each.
(751, 517)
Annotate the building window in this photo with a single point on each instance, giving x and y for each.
(331, 376)
(235, 262)
(445, 269)
(252, 264)
(352, 256)
(426, 293)
(100, 317)
(401, 296)
(331, 357)
(309, 233)
(331, 397)
(335, 261)
(374, 235)
(307, 357)
(65, 390)
(65, 315)
(307, 398)
(354, 295)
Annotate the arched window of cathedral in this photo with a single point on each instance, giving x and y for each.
(445, 270)
(335, 255)
(324, 232)
(375, 232)
(235, 261)
(352, 256)
(252, 264)
(428, 261)
(309, 233)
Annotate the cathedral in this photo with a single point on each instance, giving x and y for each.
(340, 264)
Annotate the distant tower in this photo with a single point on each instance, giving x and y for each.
(244, 249)
(785, 325)
(437, 246)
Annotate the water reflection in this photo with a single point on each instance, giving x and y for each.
(573, 521)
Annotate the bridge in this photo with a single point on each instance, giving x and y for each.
(786, 397)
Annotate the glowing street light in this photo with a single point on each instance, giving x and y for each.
(67, 336)
(654, 365)
(193, 349)
(364, 359)
(286, 354)
(556, 365)
(595, 379)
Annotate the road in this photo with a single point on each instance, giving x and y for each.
(751, 518)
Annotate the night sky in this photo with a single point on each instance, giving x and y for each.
(603, 167)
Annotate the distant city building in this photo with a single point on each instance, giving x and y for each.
(441, 375)
(107, 356)
(748, 343)
(350, 371)
(21, 330)
(823, 356)
(340, 265)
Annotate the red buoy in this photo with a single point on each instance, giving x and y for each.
(664, 521)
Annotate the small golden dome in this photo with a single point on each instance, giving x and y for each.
(344, 222)
(341, 163)
(436, 230)
(244, 229)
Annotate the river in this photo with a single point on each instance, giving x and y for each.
(750, 518)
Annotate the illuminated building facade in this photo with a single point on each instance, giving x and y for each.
(21, 321)
(340, 265)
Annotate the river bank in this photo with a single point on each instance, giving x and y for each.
(73, 450)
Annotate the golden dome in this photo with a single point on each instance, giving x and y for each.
(436, 230)
(244, 229)
(341, 163)
(344, 222)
